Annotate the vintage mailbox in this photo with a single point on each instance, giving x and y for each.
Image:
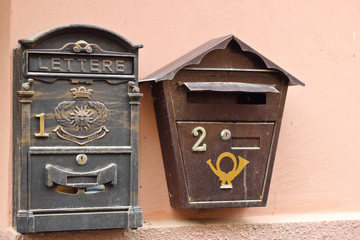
(76, 101)
(219, 111)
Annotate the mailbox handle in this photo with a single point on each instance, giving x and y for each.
(54, 174)
(230, 87)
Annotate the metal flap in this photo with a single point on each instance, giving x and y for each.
(230, 87)
(61, 176)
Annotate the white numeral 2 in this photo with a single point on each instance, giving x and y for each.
(195, 133)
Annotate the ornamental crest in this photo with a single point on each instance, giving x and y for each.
(81, 120)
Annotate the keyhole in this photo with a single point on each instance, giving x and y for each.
(81, 159)
(225, 134)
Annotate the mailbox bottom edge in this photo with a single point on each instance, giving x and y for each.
(225, 204)
(82, 221)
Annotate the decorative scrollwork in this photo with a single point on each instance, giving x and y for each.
(27, 92)
(59, 113)
(133, 87)
(83, 46)
(102, 113)
(27, 86)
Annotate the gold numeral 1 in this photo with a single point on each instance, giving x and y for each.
(42, 132)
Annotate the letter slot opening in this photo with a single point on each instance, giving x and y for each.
(82, 179)
(228, 92)
(226, 98)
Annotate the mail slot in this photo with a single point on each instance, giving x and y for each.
(76, 100)
(219, 111)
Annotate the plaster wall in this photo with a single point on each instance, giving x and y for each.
(226, 230)
(316, 165)
(6, 115)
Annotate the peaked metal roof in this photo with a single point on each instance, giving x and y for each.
(195, 56)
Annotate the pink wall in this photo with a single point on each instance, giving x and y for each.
(317, 162)
(6, 116)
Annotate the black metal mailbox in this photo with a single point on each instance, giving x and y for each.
(76, 101)
(219, 120)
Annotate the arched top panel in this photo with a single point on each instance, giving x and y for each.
(111, 40)
(78, 51)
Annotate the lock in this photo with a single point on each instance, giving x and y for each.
(81, 159)
(225, 134)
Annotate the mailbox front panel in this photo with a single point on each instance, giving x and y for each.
(59, 182)
(74, 116)
(225, 161)
(76, 101)
(234, 169)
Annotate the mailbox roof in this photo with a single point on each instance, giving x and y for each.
(195, 56)
(33, 40)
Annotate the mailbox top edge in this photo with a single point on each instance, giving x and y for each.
(195, 56)
(33, 40)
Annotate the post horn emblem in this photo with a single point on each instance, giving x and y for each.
(226, 178)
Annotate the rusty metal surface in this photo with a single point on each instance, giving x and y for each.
(76, 143)
(230, 106)
(219, 124)
(191, 183)
(250, 141)
(195, 56)
(230, 87)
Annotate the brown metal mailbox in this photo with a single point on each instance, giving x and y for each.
(219, 111)
(76, 101)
